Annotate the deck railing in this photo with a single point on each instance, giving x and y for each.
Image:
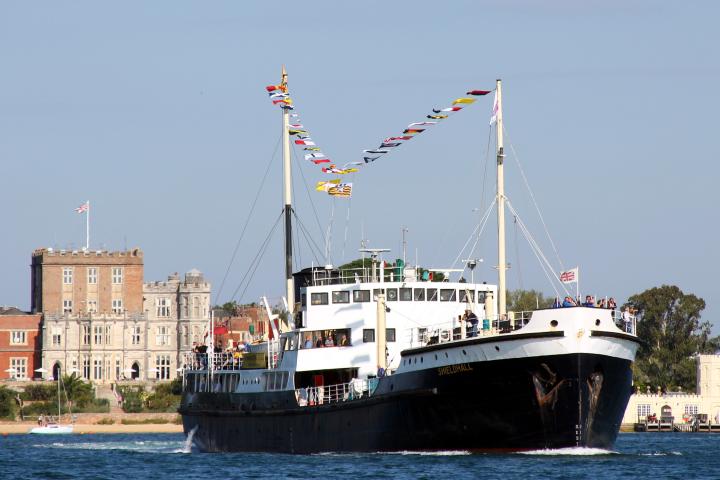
(341, 392)
(220, 361)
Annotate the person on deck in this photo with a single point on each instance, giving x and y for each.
(568, 302)
(589, 302)
(472, 319)
(308, 342)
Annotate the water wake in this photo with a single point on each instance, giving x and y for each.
(128, 446)
(187, 448)
(579, 451)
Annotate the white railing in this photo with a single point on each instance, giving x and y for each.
(220, 361)
(341, 392)
(625, 322)
(458, 330)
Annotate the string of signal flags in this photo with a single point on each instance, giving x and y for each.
(280, 96)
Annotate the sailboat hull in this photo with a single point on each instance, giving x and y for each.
(552, 401)
(52, 430)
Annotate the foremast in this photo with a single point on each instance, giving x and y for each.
(287, 200)
(502, 263)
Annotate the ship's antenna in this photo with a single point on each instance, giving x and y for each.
(502, 264)
(287, 197)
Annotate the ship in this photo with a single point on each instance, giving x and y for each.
(385, 360)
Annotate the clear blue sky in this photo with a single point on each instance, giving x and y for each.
(155, 111)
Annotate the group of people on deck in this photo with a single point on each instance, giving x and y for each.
(589, 302)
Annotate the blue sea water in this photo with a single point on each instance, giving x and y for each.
(159, 456)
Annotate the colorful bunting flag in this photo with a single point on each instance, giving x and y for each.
(478, 92)
(449, 109)
(312, 149)
(381, 152)
(310, 156)
(413, 131)
(341, 190)
(304, 142)
(464, 100)
(297, 132)
(324, 185)
(420, 124)
(321, 160)
(390, 145)
(437, 117)
(390, 139)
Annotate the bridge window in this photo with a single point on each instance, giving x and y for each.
(481, 297)
(392, 294)
(447, 295)
(406, 294)
(368, 335)
(390, 335)
(341, 297)
(432, 294)
(419, 294)
(360, 296)
(320, 298)
(467, 296)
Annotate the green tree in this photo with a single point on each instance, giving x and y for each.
(79, 393)
(527, 300)
(669, 324)
(8, 403)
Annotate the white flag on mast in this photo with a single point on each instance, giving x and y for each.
(569, 276)
(493, 119)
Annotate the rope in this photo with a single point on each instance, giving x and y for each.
(544, 263)
(307, 190)
(532, 196)
(256, 260)
(247, 221)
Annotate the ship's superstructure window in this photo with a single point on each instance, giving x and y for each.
(419, 294)
(360, 296)
(406, 294)
(432, 295)
(391, 295)
(303, 299)
(481, 297)
(447, 294)
(319, 298)
(466, 296)
(390, 334)
(325, 338)
(368, 335)
(341, 297)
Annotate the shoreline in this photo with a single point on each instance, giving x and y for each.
(17, 428)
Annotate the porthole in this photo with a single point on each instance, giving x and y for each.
(464, 352)
(597, 322)
(436, 356)
(415, 360)
(421, 359)
(497, 348)
(554, 323)
(446, 355)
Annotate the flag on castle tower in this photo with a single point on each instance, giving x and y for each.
(83, 208)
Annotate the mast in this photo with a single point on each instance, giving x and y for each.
(502, 264)
(287, 197)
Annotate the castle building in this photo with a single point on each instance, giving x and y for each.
(101, 321)
(178, 312)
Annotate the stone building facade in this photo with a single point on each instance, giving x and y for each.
(101, 321)
(178, 315)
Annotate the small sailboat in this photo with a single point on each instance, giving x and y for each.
(52, 426)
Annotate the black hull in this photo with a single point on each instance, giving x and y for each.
(517, 404)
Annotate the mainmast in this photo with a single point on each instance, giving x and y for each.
(287, 198)
(502, 264)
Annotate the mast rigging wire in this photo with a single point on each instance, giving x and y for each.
(247, 221)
